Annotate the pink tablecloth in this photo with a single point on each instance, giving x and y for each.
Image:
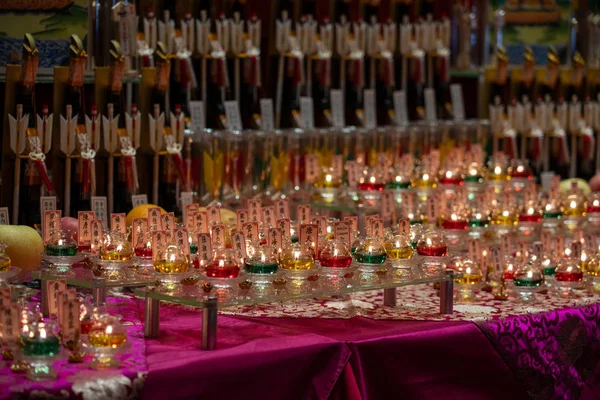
(264, 358)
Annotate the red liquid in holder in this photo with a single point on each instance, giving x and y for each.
(450, 181)
(439, 251)
(451, 224)
(336, 262)
(371, 186)
(530, 218)
(576, 276)
(214, 271)
(146, 253)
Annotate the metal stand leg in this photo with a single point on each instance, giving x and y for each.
(209, 324)
(151, 324)
(99, 295)
(447, 293)
(389, 297)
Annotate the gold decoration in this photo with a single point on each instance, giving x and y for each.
(245, 285)
(207, 287)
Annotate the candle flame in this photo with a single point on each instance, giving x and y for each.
(109, 330)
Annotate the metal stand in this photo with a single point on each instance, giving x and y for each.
(99, 295)
(151, 324)
(447, 294)
(209, 324)
(99, 291)
(389, 297)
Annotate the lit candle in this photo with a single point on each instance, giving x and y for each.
(263, 261)
(335, 255)
(39, 341)
(371, 252)
(224, 265)
(432, 244)
(61, 244)
(171, 260)
(297, 257)
(528, 278)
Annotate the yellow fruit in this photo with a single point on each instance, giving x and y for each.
(141, 212)
(565, 186)
(25, 246)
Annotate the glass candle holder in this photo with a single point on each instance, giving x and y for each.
(40, 348)
(106, 338)
(574, 211)
(455, 225)
(528, 278)
(479, 222)
(298, 263)
(433, 249)
(116, 247)
(399, 253)
(520, 173)
(5, 261)
(592, 275)
(549, 263)
(170, 267)
(497, 174)
(504, 220)
(370, 259)
(449, 178)
(568, 276)
(530, 220)
(370, 185)
(335, 259)
(326, 187)
(424, 181)
(468, 278)
(593, 211)
(61, 244)
(400, 180)
(223, 272)
(262, 261)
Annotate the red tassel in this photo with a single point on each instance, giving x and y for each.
(44, 175)
(85, 176)
(181, 168)
(129, 172)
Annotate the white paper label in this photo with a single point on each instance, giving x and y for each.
(369, 106)
(4, 220)
(139, 199)
(430, 112)
(458, 105)
(47, 203)
(400, 107)
(232, 110)
(197, 115)
(99, 207)
(266, 114)
(337, 108)
(307, 112)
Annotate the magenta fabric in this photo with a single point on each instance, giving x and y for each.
(271, 358)
(555, 354)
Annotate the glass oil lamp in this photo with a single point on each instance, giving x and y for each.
(455, 225)
(593, 211)
(504, 219)
(223, 271)
(424, 180)
(116, 247)
(370, 185)
(106, 338)
(433, 249)
(416, 230)
(592, 274)
(326, 187)
(170, 267)
(528, 279)
(574, 210)
(449, 178)
(479, 222)
(474, 179)
(40, 348)
(370, 259)
(400, 180)
(116, 255)
(299, 264)
(552, 214)
(335, 259)
(61, 244)
(530, 219)
(568, 276)
(143, 248)
(399, 253)
(519, 173)
(468, 278)
(61, 253)
(294, 231)
(262, 261)
(497, 174)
